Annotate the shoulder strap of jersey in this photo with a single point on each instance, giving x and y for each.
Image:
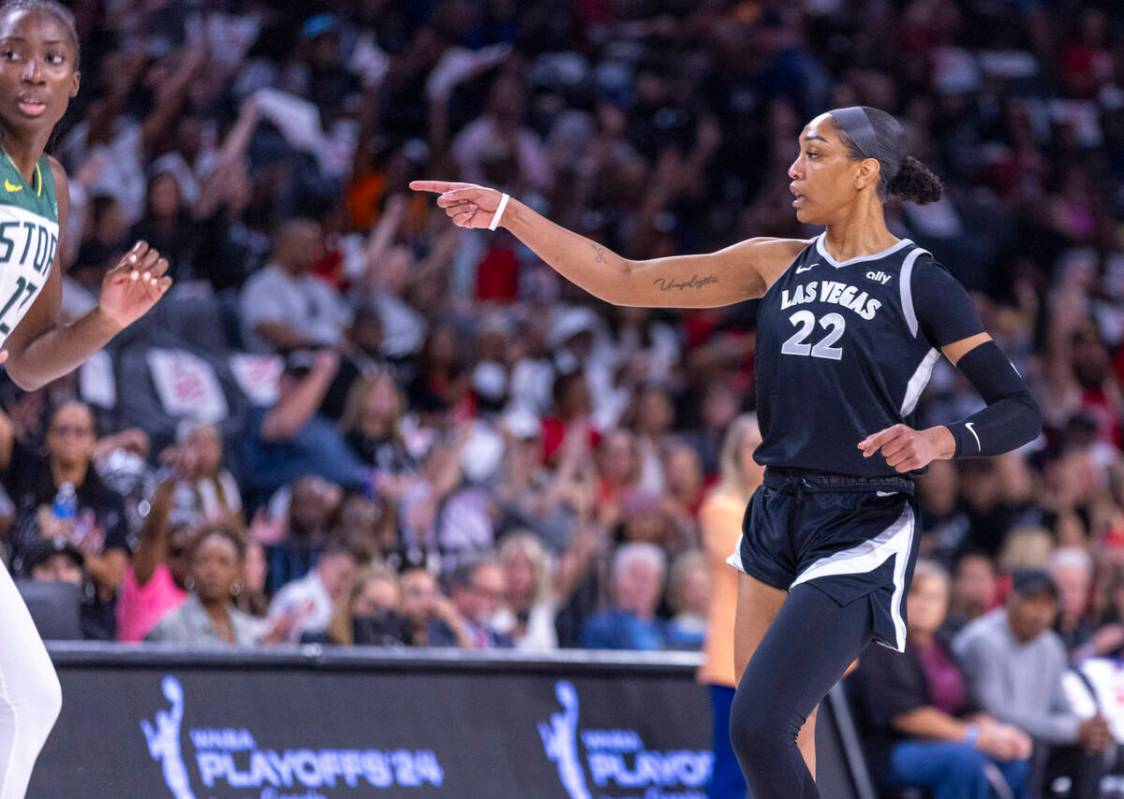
(905, 286)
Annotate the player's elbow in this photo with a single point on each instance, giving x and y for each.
(23, 377)
(1030, 416)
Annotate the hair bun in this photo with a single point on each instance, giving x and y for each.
(916, 182)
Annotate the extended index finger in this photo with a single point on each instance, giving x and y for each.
(436, 186)
(873, 443)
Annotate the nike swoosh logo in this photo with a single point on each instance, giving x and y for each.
(800, 269)
(12, 187)
(886, 493)
(971, 426)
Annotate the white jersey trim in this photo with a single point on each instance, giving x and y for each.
(905, 286)
(895, 541)
(920, 379)
(822, 250)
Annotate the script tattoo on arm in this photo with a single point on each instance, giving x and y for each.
(695, 282)
(597, 248)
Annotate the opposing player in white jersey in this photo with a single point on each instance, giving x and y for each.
(38, 77)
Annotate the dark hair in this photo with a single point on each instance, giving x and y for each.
(221, 531)
(901, 176)
(61, 13)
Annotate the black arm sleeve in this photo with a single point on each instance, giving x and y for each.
(945, 312)
(1011, 418)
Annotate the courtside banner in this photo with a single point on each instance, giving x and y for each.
(312, 724)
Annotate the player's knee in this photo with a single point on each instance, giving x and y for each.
(759, 725)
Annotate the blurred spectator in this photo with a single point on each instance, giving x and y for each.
(637, 586)
(721, 521)
(51, 560)
(372, 426)
(527, 616)
(688, 595)
(61, 495)
(289, 440)
(206, 492)
(919, 724)
(313, 598)
(478, 592)
(368, 614)
(208, 615)
(284, 307)
(1014, 665)
(429, 614)
(1072, 571)
(972, 592)
(154, 581)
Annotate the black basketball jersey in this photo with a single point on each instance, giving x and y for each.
(840, 355)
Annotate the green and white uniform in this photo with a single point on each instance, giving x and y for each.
(29, 688)
(29, 238)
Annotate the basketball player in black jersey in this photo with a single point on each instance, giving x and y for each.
(850, 326)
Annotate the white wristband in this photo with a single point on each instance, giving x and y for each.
(499, 212)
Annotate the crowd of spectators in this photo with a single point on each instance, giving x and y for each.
(350, 422)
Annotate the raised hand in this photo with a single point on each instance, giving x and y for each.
(468, 205)
(134, 285)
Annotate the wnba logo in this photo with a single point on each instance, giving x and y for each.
(228, 760)
(617, 758)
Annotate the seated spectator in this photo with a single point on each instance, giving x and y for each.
(361, 358)
(429, 614)
(637, 585)
(61, 495)
(371, 424)
(1072, 571)
(530, 606)
(972, 593)
(284, 306)
(685, 489)
(369, 614)
(297, 525)
(313, 598)
(208, 492)
(289, 440)
(918, 721)
(1014, 665)
(208, 616)
(56, 560)
(478, 591)
(688, 594)
(154, 581)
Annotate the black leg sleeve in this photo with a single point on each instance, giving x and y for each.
(804, 653)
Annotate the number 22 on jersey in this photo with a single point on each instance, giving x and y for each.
(805, 321)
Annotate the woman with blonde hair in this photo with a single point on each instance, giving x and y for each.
(371, 423)
(720, 518)
(369, 615)
(528, 616)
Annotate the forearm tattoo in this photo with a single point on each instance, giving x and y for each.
(597, 248)
(696, 282)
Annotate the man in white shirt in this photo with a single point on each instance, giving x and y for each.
(284, 306)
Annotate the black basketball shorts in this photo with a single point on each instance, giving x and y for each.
(853, 538)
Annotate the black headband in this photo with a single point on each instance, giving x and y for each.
(853, 121)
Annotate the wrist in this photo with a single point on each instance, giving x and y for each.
(104, 323)
(513, 213)
(942, 441)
